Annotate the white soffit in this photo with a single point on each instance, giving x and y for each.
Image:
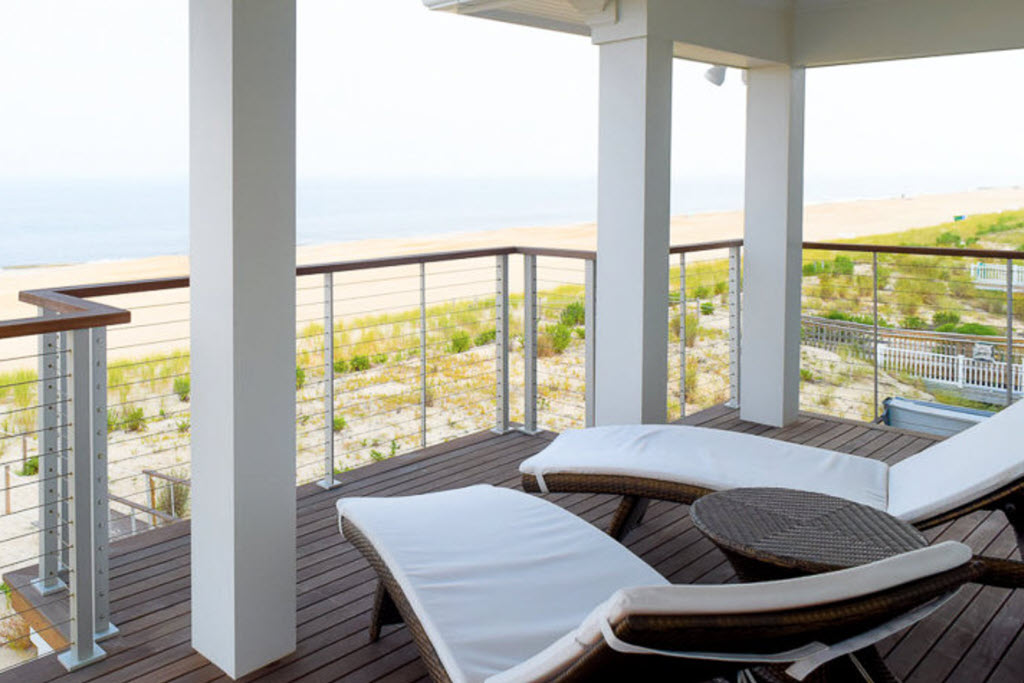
(557, 15)
(800, 32)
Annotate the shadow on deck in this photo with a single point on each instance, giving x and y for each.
(977, 636)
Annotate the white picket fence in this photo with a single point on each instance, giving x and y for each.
(994, 275)
(956, 371)
(945, 358)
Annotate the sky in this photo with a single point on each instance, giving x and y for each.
(99, 89)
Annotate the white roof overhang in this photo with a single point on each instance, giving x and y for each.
(799, 32)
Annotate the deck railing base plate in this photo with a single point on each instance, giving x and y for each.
(70, 662)
(328, 484)
(44, 590)
(110, 632)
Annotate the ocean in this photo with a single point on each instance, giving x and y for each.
(59, 222)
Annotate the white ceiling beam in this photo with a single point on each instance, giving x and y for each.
(855, 32)
(726, 32)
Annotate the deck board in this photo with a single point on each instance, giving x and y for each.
(977, 636)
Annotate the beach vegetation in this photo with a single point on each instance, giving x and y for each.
(560, 337)
(340, 366)
(707, 308)
(459, 341)
(173, 497)
(300, 377)
(339, 423)
(486, 337)
(978, 329)
(183, 388)
(690, 380)
(14, 633)
(359, 363)
(574, 314)
(30, 468)
(131, 419)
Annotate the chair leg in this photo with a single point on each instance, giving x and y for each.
(384, 612)
(628, 516)
(1013, 508)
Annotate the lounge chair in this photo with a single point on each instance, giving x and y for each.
(979, 468)
(496, 585)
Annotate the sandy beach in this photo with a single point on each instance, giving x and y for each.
(821, 222)
(159, 319)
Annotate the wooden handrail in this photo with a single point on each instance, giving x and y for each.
(142, 508)
(920, 251)
(70, 308)
(63, 312)
(704, 246)
(167, 477)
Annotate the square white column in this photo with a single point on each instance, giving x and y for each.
(633, 231)
(242, 75)
(773, 238)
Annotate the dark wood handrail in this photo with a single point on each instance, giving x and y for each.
(63, 312)
(70, 308)
(921, 251)
(704, 246)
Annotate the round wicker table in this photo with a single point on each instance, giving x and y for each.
(772, 533)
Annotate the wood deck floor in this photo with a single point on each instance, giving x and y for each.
(977, 636)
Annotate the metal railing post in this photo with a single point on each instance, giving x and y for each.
(874, 354)
(100, 483)
(590, 340)
(48, 466)
(735, 333)
(423, 355)
(501, 337)
(64, 449)
(1009, 331)
(530, 343)
(682, 335)
(82, 635)
(328, 482)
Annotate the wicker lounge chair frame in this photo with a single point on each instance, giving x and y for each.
(765, 632)
(637, 492)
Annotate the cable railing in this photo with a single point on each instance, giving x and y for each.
(923, 323)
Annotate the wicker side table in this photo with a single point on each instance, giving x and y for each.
(771, 533)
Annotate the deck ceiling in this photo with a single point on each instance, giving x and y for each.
(751, 33)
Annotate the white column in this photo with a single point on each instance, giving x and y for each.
(242, 72)
(773, 234)
(633, 231)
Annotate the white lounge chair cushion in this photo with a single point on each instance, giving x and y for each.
(494, 575)
(712, 459)
(963, 468)
(750, 598)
